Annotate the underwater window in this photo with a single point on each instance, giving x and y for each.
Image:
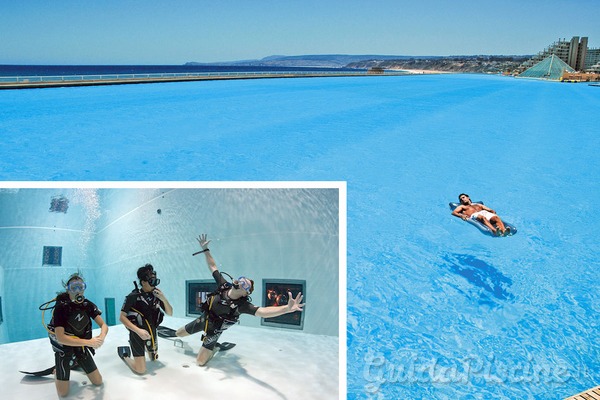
(275, 293)
(197, 292)
(52, 255)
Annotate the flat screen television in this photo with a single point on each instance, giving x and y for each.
(196, 293)
(275, 293)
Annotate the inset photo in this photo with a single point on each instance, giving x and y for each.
(204, 288)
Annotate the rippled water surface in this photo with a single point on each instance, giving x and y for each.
(435, 308)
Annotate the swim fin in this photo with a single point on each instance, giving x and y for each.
(45, 372)
(165, 332)
(225, 346)
(123, 351)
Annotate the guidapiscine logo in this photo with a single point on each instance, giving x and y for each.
(407, 368)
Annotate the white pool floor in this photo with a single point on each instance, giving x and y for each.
(265, 364)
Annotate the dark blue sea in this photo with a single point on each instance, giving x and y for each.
(60, 70)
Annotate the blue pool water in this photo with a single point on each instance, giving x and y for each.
(435, 308)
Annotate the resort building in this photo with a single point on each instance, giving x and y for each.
(551, 68)
(574, 53)
(592, 60)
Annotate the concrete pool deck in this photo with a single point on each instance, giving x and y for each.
(138, 80)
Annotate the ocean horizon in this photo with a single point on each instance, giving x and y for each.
(60, 70)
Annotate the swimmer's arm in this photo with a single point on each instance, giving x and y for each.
(102, 325)
(130, 325)
(487, 209)
(75, 341)
(294, 304)
(68, 340)
(165, 303)
(103, 329)
(457, 212)
(210, 261)
(168, 308)
(271, 311)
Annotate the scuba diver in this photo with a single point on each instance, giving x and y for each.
(223, 307)
(70, 332)
(142, 313)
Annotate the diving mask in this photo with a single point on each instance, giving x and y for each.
(153, 281)
(245, 284)
(77, 288)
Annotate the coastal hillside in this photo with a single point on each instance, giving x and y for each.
(474, 64)
(319, 60)
(478, 63)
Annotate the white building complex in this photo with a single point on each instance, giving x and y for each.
(574, 53)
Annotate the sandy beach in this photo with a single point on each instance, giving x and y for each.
(421, 71)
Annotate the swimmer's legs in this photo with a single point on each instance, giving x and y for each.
(204, 356)
(195, 326)
(487, 223)
(496, 220)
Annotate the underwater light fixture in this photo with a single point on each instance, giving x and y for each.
(52, 256)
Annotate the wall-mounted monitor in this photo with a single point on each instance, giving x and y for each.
(275, 293)
(196, 293)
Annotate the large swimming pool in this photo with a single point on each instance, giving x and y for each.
(435, 308)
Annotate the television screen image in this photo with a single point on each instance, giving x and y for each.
(275, 293)
(196, 293)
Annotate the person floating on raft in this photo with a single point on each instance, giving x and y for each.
(479, 212)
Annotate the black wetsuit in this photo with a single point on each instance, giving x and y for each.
(144, 310)
(220, 312)
(76, 319)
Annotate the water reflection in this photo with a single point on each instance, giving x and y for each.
(490, 280)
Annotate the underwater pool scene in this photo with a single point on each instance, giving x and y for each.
(436, 309)
(108, 233)
(283, 238)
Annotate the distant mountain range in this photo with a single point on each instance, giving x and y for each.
(476, 63)
(320, 60)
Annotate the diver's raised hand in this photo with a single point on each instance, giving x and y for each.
(295, 304)
(203, 241)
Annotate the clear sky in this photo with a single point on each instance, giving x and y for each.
(174, 32)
